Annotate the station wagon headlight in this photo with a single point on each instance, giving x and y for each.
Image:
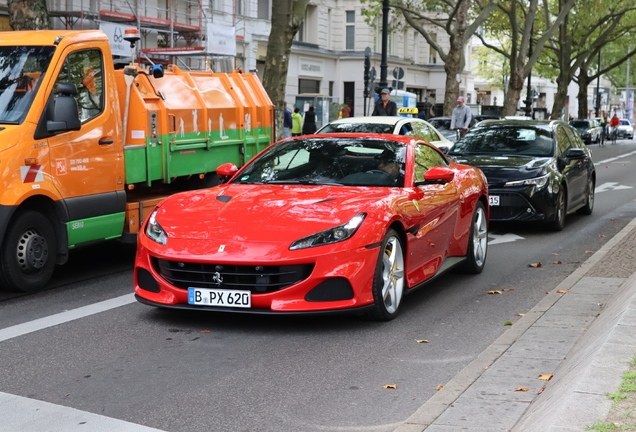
(332, 235)
(154, 231)
(539, 182)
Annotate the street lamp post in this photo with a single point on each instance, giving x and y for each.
(385, 38)
(529, 91)
(598, 87)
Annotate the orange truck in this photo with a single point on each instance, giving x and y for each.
(87, 150)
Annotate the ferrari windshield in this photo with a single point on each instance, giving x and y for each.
(21, 68)
(505, 140)
(358, 127)
(329, 161)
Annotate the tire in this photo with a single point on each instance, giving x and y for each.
(28, 253)
(560, 211)
(389, 281)
(477, 241)
(589, 204)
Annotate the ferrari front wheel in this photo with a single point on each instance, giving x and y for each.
(389, 278)
(477, 242)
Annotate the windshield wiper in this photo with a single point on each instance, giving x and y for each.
(303, 182)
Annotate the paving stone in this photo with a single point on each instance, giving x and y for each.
(544, 343)
(481, 413)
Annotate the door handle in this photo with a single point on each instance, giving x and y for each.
(105, 141)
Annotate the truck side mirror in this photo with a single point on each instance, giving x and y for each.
(65, 111)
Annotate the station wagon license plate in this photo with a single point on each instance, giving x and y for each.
(220, 297)
(494, 200)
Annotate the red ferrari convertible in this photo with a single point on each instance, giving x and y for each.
(315, 224)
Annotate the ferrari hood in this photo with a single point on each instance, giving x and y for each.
(264, 212)
(501, 169)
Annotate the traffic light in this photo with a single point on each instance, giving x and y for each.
(367, 75)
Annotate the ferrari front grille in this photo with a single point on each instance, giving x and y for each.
(257, 279)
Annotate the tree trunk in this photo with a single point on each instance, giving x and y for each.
(286, 18)
(451, 67)
(28, 15)
(584, 81)
(561, 95)
(515, 85)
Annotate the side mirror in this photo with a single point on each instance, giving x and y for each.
(65, 111)
(440, 175)
(226, 171)
(575, 153)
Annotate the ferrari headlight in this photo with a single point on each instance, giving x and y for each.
(154, 231)
(332, 235)
(539, 182)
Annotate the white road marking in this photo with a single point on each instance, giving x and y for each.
(30, 415)
(503, 238)
(64, 317)
(615, 158)
(610, 186)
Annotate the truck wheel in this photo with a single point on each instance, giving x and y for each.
(27, 256)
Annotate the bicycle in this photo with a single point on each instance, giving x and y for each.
(613, 133)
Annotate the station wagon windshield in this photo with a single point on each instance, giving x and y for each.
(21, 68)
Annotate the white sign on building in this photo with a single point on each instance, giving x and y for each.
(221, 40)
(115, 33)
(310, 67)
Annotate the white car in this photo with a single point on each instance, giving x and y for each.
(408, 126)
(626, 129)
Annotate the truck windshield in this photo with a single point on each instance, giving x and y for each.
(21, 68)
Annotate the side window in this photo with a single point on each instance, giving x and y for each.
(575, 138)
(406, 129)
(426, 158)
(563, 142)
(85, 69)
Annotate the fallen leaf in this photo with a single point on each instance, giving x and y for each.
(601, 235)
(494, 292)
(541, 391)
(557, 262)
(589, 251)
(545, 377)
(612, 219)
(535, 265)
(390, 386)
(523, 389)
(547, 292)
(520, 314)
(439, 387)
(67, 394)
(421, 340)
(205, 331)
(562, 291)
(507, 323)
(508, 289)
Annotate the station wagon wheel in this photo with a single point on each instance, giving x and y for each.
(559, 212)
(477, 241)
(389, 279)
(589, 205)
(28, 253)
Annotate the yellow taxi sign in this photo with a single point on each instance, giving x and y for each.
(407, 110)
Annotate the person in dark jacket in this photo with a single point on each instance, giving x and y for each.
(309, 124)
(385, 106)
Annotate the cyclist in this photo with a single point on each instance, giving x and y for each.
(614, 122)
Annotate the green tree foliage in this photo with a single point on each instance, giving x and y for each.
(459, 19)
(28, 15)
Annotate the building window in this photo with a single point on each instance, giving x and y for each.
(350, 30)
(432, 53)
(263, 9)
(331, 88)
(239, 7)
(308, 86)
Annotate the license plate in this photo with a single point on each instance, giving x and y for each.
(494, 200)
(220, 297)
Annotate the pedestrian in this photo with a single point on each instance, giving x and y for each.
(345, 111)
(297, 123)
(309, 124)
(287, 121)
(385, 106)
(421, 114)
(461, 117)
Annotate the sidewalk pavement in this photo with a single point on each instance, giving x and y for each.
(584, 336)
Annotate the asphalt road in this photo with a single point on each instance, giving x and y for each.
(184, 371)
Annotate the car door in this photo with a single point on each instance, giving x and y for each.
(433, 213)
(575, 170)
